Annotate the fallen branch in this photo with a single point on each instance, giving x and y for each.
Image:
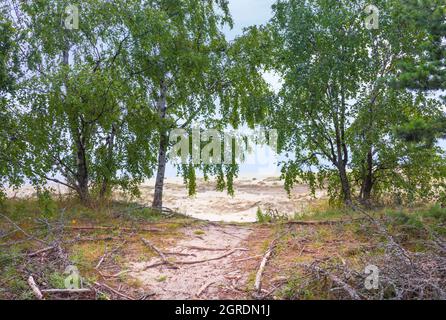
(194, 261)
(101, 260)
(108, 254)
(21, 230)
(206, 248)
(116, 274)
(35, 288)
(270, 292)
(13, 243)
(114, 291)
(206, 260)
(32, 254)
(106, 238)
(146, 295)
(323, 222)
(171, 253)
(159, 252)
(67, 290)
(382, 229)
(153, 265)
(204, 287)
(248, 258)
(264, 261)
(213, 249)
(114, 228)
(349, 289)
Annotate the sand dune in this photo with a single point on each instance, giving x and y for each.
(251, 193)
(209, 204)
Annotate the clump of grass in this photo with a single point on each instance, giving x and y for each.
(102, 296)
(134, 283)
(85, 256)
(161, 278)
(419, 218)
(270, 216)
(199, 232)
(12, 284)
(134, 211)
(329, 214)
(323, 210)
(9, 258)
(436, 212)
(404, 218)
(262, 217)
(47, 205)
(56, 280)
(251, 279)
(297, 288)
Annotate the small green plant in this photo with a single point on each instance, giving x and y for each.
(46, 204)
(9, 258)
(261, 217)
(161, 278)
(436, 212)
(136, 212)
(270, 216)
(199, 232)
(102, 296)
(299, 288)
(2, 200)
(57, 280)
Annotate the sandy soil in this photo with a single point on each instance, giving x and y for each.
(215, 279)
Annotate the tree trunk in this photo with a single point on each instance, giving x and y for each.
(82, 171)
(345, 184)
(342, 159)
(367, 183)
(81, 176)
(162, 151)
(106, 188)
(159, 185)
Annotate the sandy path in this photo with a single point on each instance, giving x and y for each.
(223, 275)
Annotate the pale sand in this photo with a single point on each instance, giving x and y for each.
(186, 281)
(209, 204)
(251, 193)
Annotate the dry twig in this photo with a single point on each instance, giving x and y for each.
(159, 252)
(35, 288)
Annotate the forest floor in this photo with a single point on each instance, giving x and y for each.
(125, 251)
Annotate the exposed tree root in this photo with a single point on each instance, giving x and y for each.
(204, 287)
(210, 259)
(213, 249)
(159, 252)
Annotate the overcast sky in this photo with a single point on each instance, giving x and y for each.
(246, 13)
